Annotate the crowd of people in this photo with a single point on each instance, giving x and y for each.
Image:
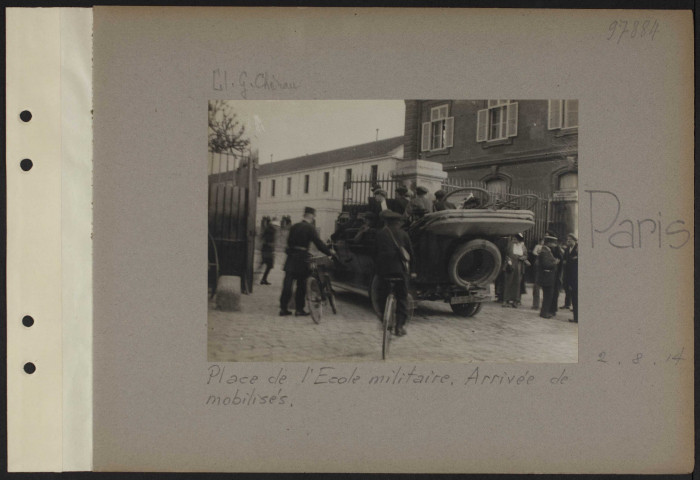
(555, 270)
(555, 266)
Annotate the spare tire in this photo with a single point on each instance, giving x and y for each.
(476, 262)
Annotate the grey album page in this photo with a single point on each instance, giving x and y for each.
(258, 173)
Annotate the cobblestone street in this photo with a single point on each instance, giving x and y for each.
(435, 334)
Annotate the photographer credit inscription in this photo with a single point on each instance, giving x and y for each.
(245, 82)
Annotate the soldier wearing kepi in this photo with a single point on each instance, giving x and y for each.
(296, 266)
(390, 262)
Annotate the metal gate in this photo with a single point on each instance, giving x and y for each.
(232, 205)
(357, 192)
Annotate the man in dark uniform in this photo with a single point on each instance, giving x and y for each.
(546, 276)
(571, 272)
(389, 262)
(296, 267)
(441, 204)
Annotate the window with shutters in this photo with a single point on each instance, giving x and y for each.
(562, 114)
(374, 173)
(348, 178)
(306, 184)
(272, 188)
(289, 185)
(498, 121)
(259, 189)
(437, 134)
(326, 181)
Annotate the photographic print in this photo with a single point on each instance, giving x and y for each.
(416, 230)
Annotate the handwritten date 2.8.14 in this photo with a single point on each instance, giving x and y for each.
(619, 29)
(639, 358)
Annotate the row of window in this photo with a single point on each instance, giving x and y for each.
(374, 174)
(498, 121)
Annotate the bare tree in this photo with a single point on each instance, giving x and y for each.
(226, 134)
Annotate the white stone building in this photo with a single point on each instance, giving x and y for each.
(287, 186)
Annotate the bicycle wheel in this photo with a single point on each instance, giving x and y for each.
(388, 321)
(330, 293)
(314, 300)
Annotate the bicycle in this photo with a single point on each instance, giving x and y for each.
(389, 317)
(319, 289)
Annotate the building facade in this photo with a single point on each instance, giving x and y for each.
(507, 144)
(318, 180)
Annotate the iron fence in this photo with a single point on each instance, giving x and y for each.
(516, 198)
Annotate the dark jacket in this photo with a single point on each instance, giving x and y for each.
(546, 268)
(401, 203)
(443, 205)
(571, 267)
(300, 237)
(388, 260)
(268, 239)
(392, 204)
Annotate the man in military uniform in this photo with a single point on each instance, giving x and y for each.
(389, 262)
(296, 266)
(547, 267)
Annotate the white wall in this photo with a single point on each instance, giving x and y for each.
(327, 204)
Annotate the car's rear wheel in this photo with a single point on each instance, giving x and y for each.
(476, 262)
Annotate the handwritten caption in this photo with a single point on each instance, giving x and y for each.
(631, 29)
(244, 82)
(609, 221)
(639, 358)
(273, 388)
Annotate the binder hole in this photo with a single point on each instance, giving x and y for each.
(27, 321)
(29, 368)
(26, 164)
(26, 115)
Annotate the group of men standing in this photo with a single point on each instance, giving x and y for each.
(556, 266)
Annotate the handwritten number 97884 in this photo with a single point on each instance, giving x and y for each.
(618, 29)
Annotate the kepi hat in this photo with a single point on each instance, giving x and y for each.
(422, 190)
(309, 210)
(550, 238)
(440, 194)
(401, 190)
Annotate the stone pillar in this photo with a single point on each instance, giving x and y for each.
(413, 173)
(412, 129)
